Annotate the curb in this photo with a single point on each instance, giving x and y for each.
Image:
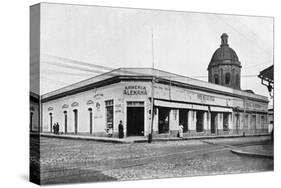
(116, 140)
(86, 138)
(254, 154)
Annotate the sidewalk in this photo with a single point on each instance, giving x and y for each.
(139, 139)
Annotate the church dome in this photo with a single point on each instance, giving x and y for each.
(224, 54)
(225, 68)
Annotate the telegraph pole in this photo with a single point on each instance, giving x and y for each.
(152, 89)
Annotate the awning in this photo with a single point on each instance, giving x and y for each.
(220, 109)
(180, 105)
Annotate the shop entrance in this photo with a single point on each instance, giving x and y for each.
(237, 122)
(214, 120)
(200, 121)
(135, 118)
(183, 119)
(163, 120)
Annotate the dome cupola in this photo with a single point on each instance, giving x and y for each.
(225, 67)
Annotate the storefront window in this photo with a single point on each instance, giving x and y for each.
(109, 114)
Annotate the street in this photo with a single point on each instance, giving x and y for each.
(71, 161)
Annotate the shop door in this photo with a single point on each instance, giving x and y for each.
(237, 121)
(164, 120)
(135, 119)
(199, 122)
(183, 119)
(213, 122)
(75, 121)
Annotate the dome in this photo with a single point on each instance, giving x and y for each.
(223, 53)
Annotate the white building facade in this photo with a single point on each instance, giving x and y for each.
(97, 105)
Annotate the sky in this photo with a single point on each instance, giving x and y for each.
(79, 42)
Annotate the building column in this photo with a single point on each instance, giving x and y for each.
(174, 121)
(192, 120)
(230, 121)
(205, 122)
(155, 121)
(220, 122)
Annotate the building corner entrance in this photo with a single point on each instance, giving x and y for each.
(135, 118)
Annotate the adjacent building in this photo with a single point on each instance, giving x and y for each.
(135, 96)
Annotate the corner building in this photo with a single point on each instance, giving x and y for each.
(219, 107)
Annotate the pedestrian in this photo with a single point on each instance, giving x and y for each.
(121, 129)
(58, 127)
(180, 130)
(54, 128)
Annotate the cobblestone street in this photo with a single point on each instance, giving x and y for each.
(69, 161)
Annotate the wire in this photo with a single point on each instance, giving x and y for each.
(251, 41)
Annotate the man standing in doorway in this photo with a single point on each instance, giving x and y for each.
(121, 129)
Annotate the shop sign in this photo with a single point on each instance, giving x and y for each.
(118, 108)
(135, 90)
(203, 97)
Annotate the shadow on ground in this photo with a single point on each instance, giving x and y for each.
(79, 176)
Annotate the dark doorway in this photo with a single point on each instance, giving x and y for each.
(214, 120)
(200, 120)
(237, 121)
(75, 121)
(65, 122)
(91, 120)
(183, 119)
(253, 122)
(30, 119)
(135, 121)
(163, 120)
(51, 122)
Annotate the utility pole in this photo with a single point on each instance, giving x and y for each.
(152, 89)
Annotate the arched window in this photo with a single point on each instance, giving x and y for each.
(227, 78)
(216, 79)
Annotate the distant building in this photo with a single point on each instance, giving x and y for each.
(218, 107)
(34, 112)
(267, 79)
